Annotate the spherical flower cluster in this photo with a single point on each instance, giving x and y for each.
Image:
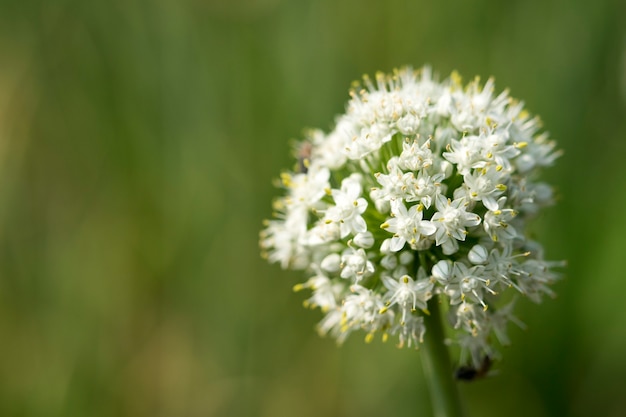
(423, 189)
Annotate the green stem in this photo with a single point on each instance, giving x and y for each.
(443, 388)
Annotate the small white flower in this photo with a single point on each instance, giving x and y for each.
(282, 242)
(469, 283)
(331, 323)
(415, 157)
(407, 226)
(328, 150)
(364, 240)
(499, 148)
(497, 222)
(408, 124)
(442, 271)
(537, 277)
(539, 152)
(466, 154)
(348, 207)
(331, 263)
(307, 189)
(424, 188)
(361, 309)
(470, 318)
(504, 269)
(323, 232)
(407, 257)
(485, 185)
(451, 221)
(410, 331)
(395, 184)
(478, 255)
(325, 292)
(389, 262)
(409, 294)
(355, 265)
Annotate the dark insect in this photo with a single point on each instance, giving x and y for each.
(470, 373)
(303, 152)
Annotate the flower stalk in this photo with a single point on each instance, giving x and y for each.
(437, 367)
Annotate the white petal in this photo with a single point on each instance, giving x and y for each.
(478, 255)
(396, 244)
(427, 228)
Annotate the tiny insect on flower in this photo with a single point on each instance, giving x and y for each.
(470, 373)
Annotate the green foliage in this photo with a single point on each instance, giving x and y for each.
(138, 141)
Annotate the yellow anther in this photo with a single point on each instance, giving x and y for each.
(520, 145)
(328, 191)
(384, 225)
(425, 311)
(369, 337)
(456, 78)
(298, 287)
(382, 310)
(499, 168)
(501, 187)
(405, 279)
(385, 337)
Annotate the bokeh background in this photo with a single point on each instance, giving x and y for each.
(138, 143)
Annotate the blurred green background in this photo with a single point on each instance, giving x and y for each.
(138, 143)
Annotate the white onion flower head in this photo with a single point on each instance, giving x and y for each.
(423, 189)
